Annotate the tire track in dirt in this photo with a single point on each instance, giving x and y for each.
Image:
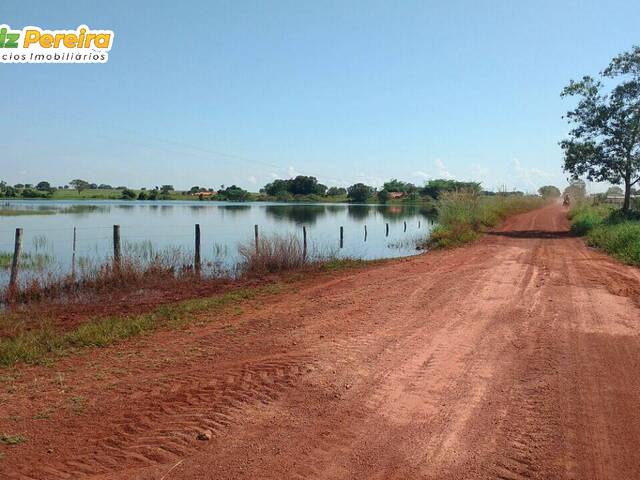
(163, 427)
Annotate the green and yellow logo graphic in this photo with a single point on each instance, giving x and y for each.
(35, 45)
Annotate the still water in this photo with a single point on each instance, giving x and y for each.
(223, 226)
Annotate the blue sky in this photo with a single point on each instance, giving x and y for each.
(218, 92)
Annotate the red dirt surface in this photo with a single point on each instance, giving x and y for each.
(515, 357)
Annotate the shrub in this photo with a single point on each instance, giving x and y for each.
(463, 213)
(609, 229)
(274, 254)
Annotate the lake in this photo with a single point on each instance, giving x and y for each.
(169, 224)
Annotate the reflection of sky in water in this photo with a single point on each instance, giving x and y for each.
(223, 226)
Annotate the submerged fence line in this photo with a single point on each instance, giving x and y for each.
(117, 245)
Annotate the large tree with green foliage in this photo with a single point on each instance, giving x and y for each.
(79, 184)
(360, 192)
(604, 143)
(433, 188)
(549, 191)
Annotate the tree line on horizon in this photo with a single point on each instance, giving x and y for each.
(301, 187)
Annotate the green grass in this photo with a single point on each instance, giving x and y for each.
(17, 212)
(28, 261)
(462, 215)
(41, 344)
(608, 229)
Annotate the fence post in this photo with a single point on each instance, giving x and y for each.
(341, 236)
(15, 264)
(365, 233)
(196, 259)
(418, 224)
(255, 232)
(73, 256)
(304, 243)
(116, 245)
(405, 226)
(387, 230)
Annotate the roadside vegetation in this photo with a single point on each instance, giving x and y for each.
(39, 340)
(42, 343)
(609, 229)
(464, 214)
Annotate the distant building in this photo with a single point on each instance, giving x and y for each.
(204, 194)
(396, 195)
(617, 199)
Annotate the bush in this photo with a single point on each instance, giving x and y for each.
(609, 229)
(274, 254)
(586, 217)
(463, 213)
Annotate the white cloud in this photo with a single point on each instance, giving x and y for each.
(420, 174)
(252, 179)
(530, 177)
(478, 172)
(292, 172)
(442, 169)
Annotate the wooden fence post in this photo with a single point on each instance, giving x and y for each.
(405, 226)
(116, 245)
(15, 264)
(196, 259)
(418, 224)
(341, 236)
(304, 243)
(365, 233)
(255, 232)
(73, 256)
(387, 230)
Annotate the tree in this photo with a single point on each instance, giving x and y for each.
(335, 191)
(105, 186)
(300, 185)
(615, 191)
(549, 191)
(79, 185)
(128, 194)
(395, 185)
(576, 190)
(383, 195)
(433, 188)
(165, 189)
(43, 186)
(360, 192)
(604, 143)
(143, 195)
(277, 186)
(234, 193)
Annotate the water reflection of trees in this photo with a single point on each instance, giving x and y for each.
(234, 210)
(299, 214)
(396, 213)
(359, 212)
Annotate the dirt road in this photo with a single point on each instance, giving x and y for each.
(516, 357)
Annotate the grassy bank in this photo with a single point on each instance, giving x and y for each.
(44, 342)
(608, 229)
(462, 215)
(36, 345)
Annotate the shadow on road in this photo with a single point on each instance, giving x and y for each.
(533, 234)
